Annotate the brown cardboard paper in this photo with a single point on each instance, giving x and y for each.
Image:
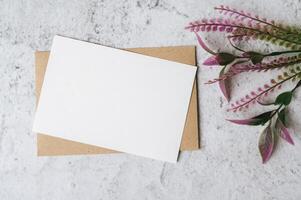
(52, 146)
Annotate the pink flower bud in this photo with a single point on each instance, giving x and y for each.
(212, 60)
(220, 59)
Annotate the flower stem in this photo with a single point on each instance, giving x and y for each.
(277, 53)
(265, 91)
(297, 85)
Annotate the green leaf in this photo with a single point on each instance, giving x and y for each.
(284, 98)
(283, 132)
(262, 118)
(281, 116)
(267, 143)
(224, 85)
(254, 56)
(254, 121)
(225, 58)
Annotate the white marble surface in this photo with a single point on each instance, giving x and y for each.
(227, 167)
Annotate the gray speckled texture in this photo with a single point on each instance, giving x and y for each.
(227, 167)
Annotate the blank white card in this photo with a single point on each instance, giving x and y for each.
(114, 99)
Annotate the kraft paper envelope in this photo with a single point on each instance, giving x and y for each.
(53, 146)
(115, 99)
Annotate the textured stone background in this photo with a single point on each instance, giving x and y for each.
(227, 167)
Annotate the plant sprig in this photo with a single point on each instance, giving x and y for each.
(276, 124)
(243, 26)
